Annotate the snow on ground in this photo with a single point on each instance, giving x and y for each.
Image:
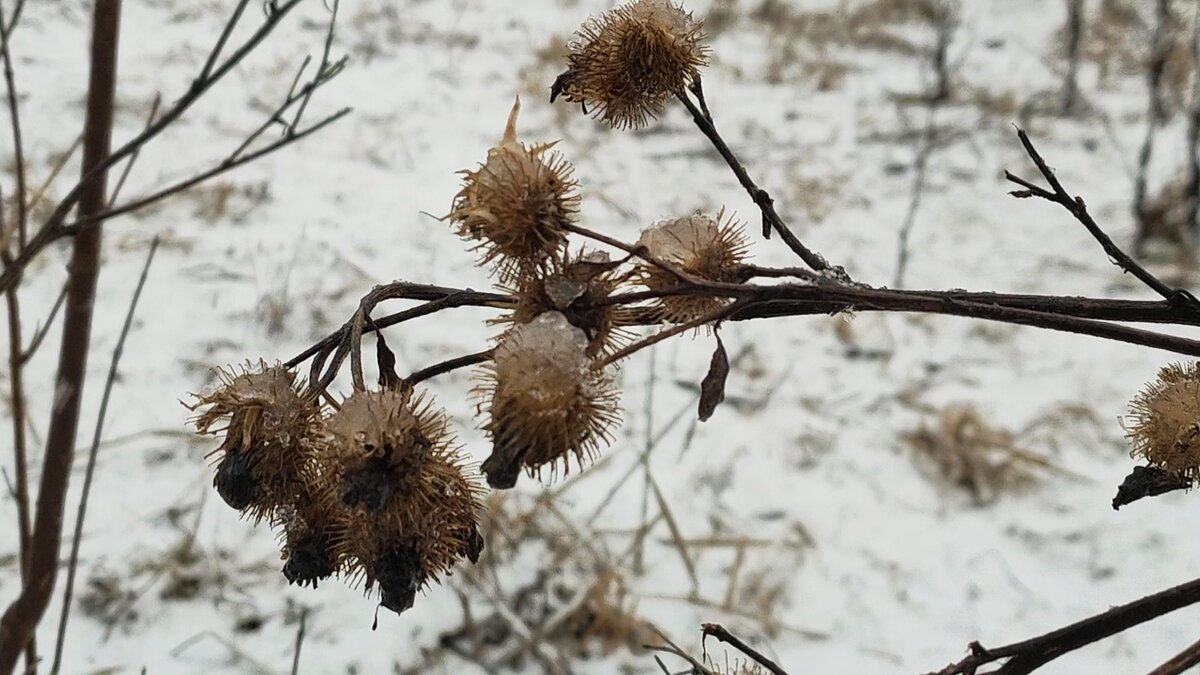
(875, 565)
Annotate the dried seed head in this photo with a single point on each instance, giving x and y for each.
(516, 204)
(572, 285)
(410, 511)
(1165, 428)
(270, 431)
(626, 63)
(309, 529)
(702, 247)
(546, 401)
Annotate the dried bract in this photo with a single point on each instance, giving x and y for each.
(625, 64)
(546, 402)
(573, 285)
(701, 246)
(393, 468)
(309, 528)
(517, 204)
(270, 431)
(1165, 421)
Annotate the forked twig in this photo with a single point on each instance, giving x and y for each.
(1077, 208)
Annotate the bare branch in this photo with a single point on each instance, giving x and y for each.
(89, 473)
(771, 218)
(1077, 208)
(1029, 655)
(718, 631)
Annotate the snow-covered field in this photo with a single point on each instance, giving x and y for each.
(855, 558)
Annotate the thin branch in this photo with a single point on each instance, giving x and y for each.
(673, 649)
(16, 16)
(718, 631)
(1192, 190)
(447, 366)
(1028, 655)
(18, 414)
(1077, 208)
(1160, 48)
(20, 620)
(299, 641)
(437, 297)
(707, 319)
(112, 198)
(221, 40)
(40, 334)
(771, 218)
(225, 166)
(1188, 658)
(14, 114)
(53, 228)
(324, 67)
(89, 473)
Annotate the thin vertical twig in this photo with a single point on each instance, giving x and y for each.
(1156, 115)
(1074, 27)
(89, 473)
(18, 414)
(940, 65)
(18, 406)
(299, 641)
(20, 620)
(1192, 192)
(14, 113)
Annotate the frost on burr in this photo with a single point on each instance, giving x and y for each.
(700, 246)
(546, 401)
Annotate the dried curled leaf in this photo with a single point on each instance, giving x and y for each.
(712, 388)
(1147, 481)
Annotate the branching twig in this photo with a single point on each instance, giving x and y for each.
(1077, 208)
(56, 225)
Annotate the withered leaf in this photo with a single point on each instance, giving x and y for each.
(712, 388)
(1147, 481)
(388, 379)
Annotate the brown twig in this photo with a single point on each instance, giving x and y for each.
(299, 641)
(14, 114)
(20, 620)
(56, 226)
(89, 473)
(1159, 54)
(1188, 658)
(718, 631)
(771, 218)
(673, 649)
(42, 330)
(18, 414)
(1192, 189)
(1029, 655)
(447, 366)
(1078, 209)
